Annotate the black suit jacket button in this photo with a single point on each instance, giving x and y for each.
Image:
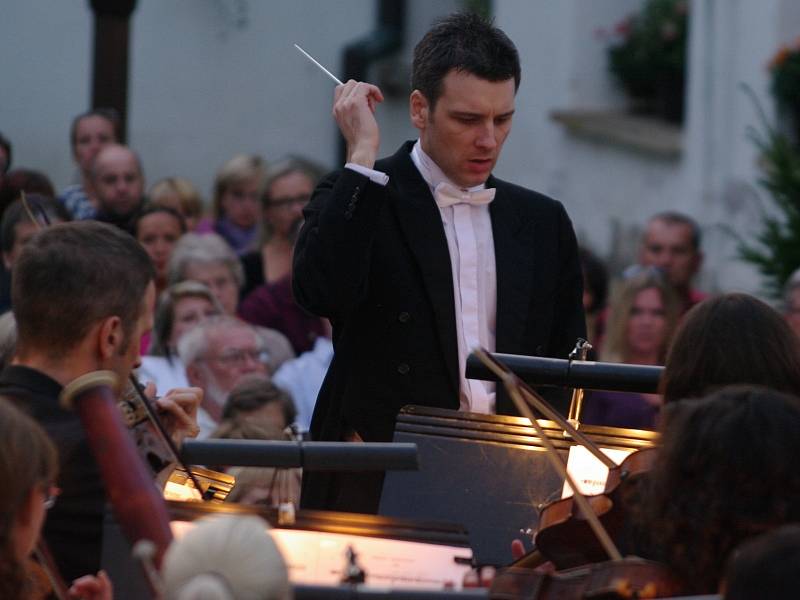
(403, 368)
(404, 317)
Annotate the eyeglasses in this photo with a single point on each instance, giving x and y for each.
(277, 202)
(51, 494)
(238, 357)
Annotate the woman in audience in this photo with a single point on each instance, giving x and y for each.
(90, 132)
(209, 260)
(288, 189)
(180, 195)
(237, 189)
(726, 472)
(158, 229)
(29, 465)
(180, 308)
(642, 320)
(226, 558)
(730, 339)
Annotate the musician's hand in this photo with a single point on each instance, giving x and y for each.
(353, 108)
(180, 406)
(90, 587)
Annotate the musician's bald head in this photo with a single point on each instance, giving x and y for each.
(73, 276)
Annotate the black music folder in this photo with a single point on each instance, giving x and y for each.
(486, 472)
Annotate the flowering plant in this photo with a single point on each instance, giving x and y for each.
(648, 51)
(785, 70)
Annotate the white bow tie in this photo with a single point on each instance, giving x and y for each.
(448, 195)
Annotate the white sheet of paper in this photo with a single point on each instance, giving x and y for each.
(318, 558)
(589, 473)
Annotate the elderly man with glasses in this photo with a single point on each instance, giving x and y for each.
(217, 354)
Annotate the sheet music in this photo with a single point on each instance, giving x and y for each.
(589, 473)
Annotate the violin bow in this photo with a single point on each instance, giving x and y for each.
(533, 398)
(513, 385)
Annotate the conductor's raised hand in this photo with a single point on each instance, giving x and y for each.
(354, 110)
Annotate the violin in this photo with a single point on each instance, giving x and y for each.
(564, 537)
(625, 579)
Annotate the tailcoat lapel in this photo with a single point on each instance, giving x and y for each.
(514, 261)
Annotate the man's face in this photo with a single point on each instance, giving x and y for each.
(232, 353)
(668, 246)
(468, 126)
(118, 180)
(91, 134)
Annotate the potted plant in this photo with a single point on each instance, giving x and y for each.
(648, 57)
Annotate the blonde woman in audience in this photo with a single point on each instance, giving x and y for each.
(180, 195)
(226, 558)
(643, 317)
(237, 206)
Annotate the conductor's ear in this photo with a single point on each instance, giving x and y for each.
(418, 106)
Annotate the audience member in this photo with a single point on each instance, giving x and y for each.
(731, 339)
(767, 566)
(118, 182)
(791, 301)
(726, 472)
(257, 397)
(209, 260)
(595, 291)
(90, 132)
(671, 242)
(24, 180)
(158, 229)
(302, 377)
(237, 188)
(16, 229)
(265, 486)
(180, 308)
(5, 157)
(83, 295)
(226, 557)
(288, 189)
(180, 195)
(217, 353)
(643, 317)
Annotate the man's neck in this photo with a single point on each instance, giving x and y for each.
(61, 370)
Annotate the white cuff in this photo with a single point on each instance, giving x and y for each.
(378, 177)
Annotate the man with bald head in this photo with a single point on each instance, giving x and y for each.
(118, 181)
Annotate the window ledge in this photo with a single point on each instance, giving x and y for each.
(634, 132)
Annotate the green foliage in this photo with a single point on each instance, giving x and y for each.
(651, 48)
(776, 249)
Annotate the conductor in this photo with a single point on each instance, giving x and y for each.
(421, 256)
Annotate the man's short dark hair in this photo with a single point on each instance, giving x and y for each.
(72, 275)
(465, 42)
(109, 114)
(254, 391)
(675, 218)
(16, 213)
